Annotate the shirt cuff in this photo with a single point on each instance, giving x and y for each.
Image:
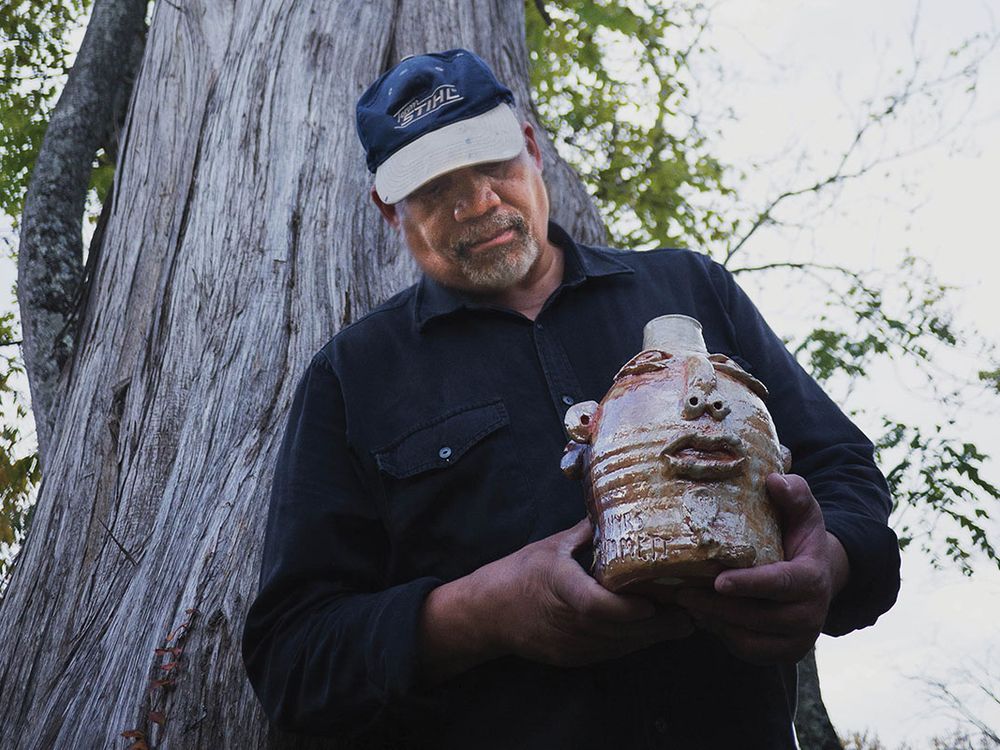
(393, 648)
(873, 583)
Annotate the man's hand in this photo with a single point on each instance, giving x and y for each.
(538, 603)
(774, 613)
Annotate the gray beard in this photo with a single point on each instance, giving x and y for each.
(498, 268)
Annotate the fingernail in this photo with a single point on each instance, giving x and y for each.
(723, 585)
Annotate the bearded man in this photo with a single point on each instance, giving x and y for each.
(421, 582)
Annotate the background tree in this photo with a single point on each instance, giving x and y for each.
(238, 238)
(143, 512)
(35, 42)
(614, 82)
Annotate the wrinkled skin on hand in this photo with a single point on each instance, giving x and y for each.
(540, 604)
(774, 613)
(555, 612)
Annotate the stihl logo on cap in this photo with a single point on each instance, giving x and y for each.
(417, 108)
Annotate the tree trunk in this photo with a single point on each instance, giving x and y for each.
(50, 252)
(812, 723)
(240, 239)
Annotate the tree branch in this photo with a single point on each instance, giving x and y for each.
(50, 254)
(540, 5)
(800, 266)
(911, 88)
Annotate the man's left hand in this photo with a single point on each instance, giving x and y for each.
(774, 613)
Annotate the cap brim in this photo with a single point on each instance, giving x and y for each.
(492, 136)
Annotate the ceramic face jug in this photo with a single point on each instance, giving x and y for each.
(673, 462)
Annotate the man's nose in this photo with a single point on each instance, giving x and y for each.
(701, 392)
(476, 198)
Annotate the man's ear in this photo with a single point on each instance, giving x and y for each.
(531, 145)
(388, 210)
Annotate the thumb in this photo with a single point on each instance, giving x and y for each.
(800, 516)
(577, 536)
(791, 497)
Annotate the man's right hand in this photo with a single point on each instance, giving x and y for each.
(540, 604)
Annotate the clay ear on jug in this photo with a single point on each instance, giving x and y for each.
(579, 423)
(786, 459)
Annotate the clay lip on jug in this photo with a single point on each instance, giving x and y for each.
(695, 456)
(673, 462)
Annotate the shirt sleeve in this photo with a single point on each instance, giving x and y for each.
(329, 649)
(834, 457)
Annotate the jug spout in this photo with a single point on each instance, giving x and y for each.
(677, 334)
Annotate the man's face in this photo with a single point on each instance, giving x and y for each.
(480, 228)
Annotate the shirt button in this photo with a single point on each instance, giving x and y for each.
(445, 453)
(568, 400)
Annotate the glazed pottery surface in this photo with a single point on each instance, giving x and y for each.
(673, 462)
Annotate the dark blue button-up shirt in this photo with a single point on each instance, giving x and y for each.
(424, 441)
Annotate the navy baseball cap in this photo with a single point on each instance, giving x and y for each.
(431, 114)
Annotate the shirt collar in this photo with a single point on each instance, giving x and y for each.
(580, 263)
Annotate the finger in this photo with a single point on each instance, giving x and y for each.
(664, 626)
(576, 536)
(589, 645)
(587, 597)
(752, 614)
(791, 497)
(762, 648)
(666, 623)
(787, 581)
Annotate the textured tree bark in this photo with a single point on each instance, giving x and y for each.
(240, 239)
(812, 723)
(50, 252)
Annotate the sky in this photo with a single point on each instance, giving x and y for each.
(795, 76)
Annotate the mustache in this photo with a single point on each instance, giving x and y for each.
(487, 229)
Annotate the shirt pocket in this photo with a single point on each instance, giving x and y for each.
(456, 494)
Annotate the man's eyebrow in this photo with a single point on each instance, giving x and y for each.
(431, 184)
(725, 365)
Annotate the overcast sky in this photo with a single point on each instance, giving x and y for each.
(795, 76)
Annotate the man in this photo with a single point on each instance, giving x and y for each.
(420, 583)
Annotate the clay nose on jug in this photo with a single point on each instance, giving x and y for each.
(701, 393)
(696, 404)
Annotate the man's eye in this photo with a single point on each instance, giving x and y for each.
(493, 169)
(432, 189)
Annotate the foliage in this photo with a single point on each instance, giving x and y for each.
(940, 497)
(645, 159)
(942, 475)
(36, 39)
(862, 741)
(18, 475)
(640, 153)
(971, 696)
(956, 740)
(649, 170)
(911, 326)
